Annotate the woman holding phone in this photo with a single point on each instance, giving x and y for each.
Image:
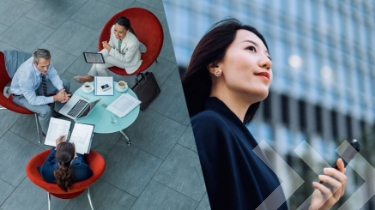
(229, 73)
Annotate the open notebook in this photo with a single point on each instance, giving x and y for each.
(81, 135)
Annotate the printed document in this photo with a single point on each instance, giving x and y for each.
(123, 105)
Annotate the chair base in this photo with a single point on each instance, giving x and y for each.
(88, 196)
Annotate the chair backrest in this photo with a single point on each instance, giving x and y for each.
(94, 160)
(14, 59)
(148, 29)
(4, 80)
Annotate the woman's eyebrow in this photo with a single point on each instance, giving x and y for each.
(247, 40)
(252, 42)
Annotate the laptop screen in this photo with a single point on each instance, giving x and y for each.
(88, 109)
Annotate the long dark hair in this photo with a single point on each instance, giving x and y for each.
(64, 173)
(210, 50)
(123, 21)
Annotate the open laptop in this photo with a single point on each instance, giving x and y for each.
(78, 107)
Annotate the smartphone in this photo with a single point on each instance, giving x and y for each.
(348, 154)
(105, 87)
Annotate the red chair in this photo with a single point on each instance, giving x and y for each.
(6, 102)
(148, 30)
(94, 160)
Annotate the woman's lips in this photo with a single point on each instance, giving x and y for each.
(263, 74)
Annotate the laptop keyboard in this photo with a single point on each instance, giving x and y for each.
(77, 108)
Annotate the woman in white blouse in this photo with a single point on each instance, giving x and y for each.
(121, 51)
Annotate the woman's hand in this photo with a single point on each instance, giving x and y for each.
(59, 140)
(328, 193)
(106, 45)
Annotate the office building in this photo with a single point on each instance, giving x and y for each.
(323, 90)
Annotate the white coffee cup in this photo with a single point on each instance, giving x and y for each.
(122, 85)
(87, 86)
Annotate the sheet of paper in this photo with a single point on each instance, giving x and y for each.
(103, 85)
(57, 127)
(123, 105)
(81, 136)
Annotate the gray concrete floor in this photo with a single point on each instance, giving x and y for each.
(160, 170)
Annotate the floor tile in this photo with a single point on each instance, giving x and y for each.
(130, 168)
(4, 46)
(167, 50)
(204, 204)
(157, 196)
(3, 28)
(29, 196)
(187, 139)
(25, 127)
(175, 75)
(6, 190)
(77, 3)
(8, 119)
(103, 143)
(95, 14)
(51, 14)
(79, 67)
(17, 152)
(119, 3)
(162, 69)
(33, 34)
(182, 172)
(103, 196)
(171, 102)
(11, 11)
(61, 60)
(74, 43)
(155, 133)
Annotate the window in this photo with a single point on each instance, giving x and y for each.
(318, 119)
(267, 107)
(302, 115)
(335, 131)
(348, 120)
(285, 110)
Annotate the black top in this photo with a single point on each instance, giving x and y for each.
(235, 177)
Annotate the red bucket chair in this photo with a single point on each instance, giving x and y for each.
(148, 31)
(6, 102)
(94, 160)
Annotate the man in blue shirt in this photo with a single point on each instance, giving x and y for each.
(37, 84)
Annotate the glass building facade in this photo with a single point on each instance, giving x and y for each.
(323, 90)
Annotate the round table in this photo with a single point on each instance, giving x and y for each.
(101, 117)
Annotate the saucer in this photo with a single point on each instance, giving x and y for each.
(119, 90)
(87, 91)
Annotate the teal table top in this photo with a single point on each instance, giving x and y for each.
(101, 117)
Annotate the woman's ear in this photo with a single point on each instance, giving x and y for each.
(214, 69)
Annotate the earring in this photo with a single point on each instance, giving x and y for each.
(218, 73)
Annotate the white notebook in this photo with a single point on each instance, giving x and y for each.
(81, 135)
(123, 105)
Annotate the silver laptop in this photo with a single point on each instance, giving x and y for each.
(78, 107)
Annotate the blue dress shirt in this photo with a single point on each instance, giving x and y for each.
(28, 78)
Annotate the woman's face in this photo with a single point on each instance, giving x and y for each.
(120, 31)
(246, 66)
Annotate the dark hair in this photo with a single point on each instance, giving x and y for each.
(123, 21)
(210, 50)
(64, 173)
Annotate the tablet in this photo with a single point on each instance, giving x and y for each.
(93, 57)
